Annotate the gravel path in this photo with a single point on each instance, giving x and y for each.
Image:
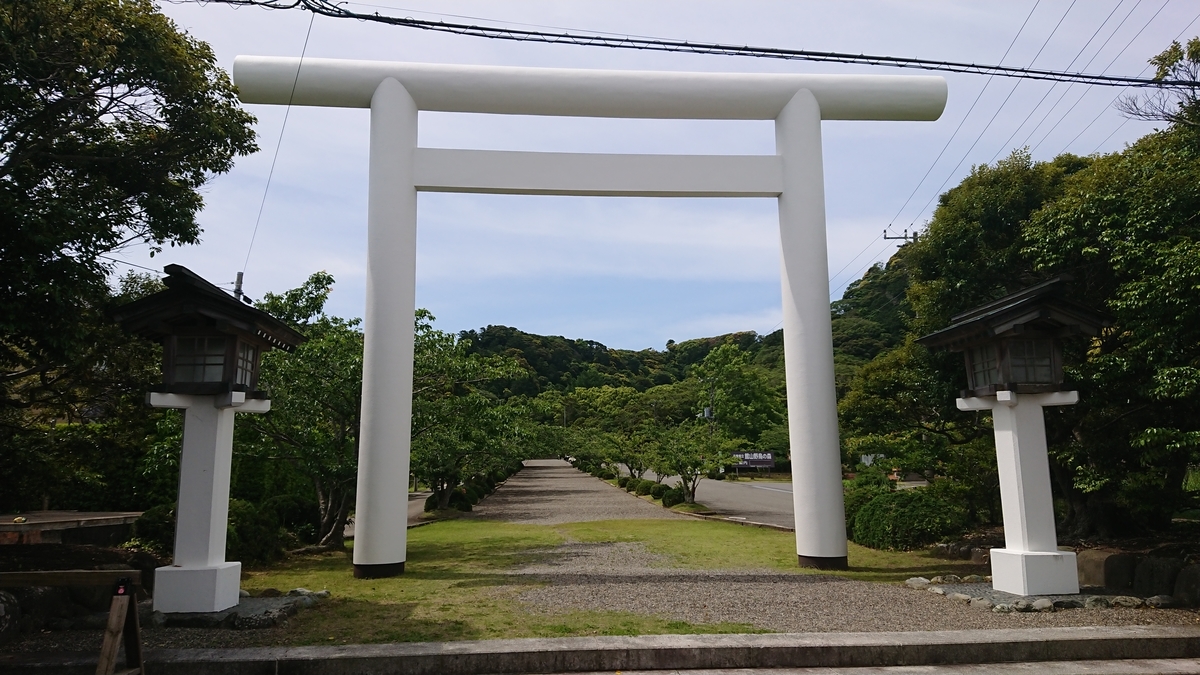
(626, 577)
(551, 492)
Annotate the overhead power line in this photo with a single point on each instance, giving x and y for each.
(328, 8)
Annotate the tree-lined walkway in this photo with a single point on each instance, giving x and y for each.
(551, 491)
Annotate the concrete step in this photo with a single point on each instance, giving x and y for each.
(1043, 647)
(1120, 667)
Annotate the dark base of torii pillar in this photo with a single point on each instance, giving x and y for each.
(378, 571)
(836, 563)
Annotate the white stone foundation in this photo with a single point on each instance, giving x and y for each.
(197, 589)
(1034, 572)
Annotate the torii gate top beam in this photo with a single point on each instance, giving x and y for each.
(587, 93)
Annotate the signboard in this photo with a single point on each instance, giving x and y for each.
(752, 460)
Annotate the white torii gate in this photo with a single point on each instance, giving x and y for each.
(399, 169)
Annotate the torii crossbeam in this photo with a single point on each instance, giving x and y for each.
(395, 92)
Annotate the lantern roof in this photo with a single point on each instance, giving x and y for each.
(189, 295)
(1043, 308)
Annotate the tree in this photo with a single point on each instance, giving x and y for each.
(1178, 104)
(690, 450)
(458, 428)
(316, 398)
(1127, 230)
(111, 119)
(744, 404)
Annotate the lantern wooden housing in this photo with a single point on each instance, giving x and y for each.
(211, 342)
(1015, 343)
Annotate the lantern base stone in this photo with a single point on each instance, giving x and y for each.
(1034, 572)
(197, 589)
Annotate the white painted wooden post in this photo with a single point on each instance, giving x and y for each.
(381, 509)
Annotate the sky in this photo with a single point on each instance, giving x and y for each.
(635, 272)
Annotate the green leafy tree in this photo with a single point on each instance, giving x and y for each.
(316, 398)
(111, 120)
(1180, 104)
(459, 429)
(1127, 230)
(744, 404)
(690, 451)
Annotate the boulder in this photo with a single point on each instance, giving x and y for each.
(1160, 602)
(1187, 586)
(981, 603)
(1022, 605)
(1043, 605)
(1118, 571)
(1002, 608)
(1126, 601)
(951, 579)
(918, 583)
(1090, 565)
(1097, 602)
(1068, 603)
(959, 597)
(1156, 576)
(973, 579)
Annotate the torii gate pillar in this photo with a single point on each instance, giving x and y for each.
(395, 92)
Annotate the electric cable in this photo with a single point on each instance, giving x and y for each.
(987, 126)
(1053, 106)
(1110, 63)
(1051, 87)
(333, 9)
(963, 120)
(125, 262)
(278, 144)
(1118, 97)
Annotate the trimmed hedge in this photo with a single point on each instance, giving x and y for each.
(645, 486)
(658, 490)
(622, 481)
(672, 497)
(907, 519)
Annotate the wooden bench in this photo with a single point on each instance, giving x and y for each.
(122, 618)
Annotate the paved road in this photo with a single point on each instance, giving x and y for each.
(759, 501)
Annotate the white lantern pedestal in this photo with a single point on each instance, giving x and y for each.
(200, 580)
(1030, 562)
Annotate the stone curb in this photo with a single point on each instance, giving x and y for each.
(747, 523)
(658, 652)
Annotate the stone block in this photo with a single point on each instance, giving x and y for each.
(1090, 563)
(1187, 586)
(1156, 576)
(1118, 571)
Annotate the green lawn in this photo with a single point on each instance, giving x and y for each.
(453, 588)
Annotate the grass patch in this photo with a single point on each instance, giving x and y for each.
(706, 544)
(452, 589)
(696, 507)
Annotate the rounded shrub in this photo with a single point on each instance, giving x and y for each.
(672, 497)
(253, 534)
(431, 502)
(632, 483)
(906, 519)
(459, 500)
(645, 486)
(856, 497)
(658, 490)
(622, 481)
(605, 474)
(156, 528)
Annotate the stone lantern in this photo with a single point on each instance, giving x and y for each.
(212, 344)
(1013, 353)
